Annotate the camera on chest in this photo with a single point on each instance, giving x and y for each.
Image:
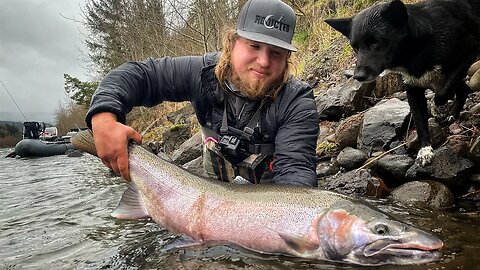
(229, 144)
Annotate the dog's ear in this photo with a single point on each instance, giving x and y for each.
(343, 26)
(396, 13)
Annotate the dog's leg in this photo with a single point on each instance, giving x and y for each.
(452, 85)
(418, 107)
(461, 93)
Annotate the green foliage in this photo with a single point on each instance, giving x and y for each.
(78, 91)
(301, 36)
(177, 127)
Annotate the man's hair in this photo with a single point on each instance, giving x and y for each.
(223, 70)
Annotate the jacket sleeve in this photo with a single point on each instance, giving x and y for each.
(146, 83)
(295, 157)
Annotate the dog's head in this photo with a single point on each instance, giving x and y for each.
(375, 34)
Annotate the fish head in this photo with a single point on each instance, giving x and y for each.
(357, 233)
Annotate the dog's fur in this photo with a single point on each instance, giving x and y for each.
(431, 43)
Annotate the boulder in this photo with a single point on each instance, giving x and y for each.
(425, 194)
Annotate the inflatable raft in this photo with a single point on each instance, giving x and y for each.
(39, 148)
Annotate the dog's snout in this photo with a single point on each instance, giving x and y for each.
(364, 74)
(360, 75)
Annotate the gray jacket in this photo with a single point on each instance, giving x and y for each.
(290, 121)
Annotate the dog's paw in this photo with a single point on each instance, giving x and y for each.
(425, 156)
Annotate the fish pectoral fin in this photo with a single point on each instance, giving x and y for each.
(131, 205)
(181, 242)
(300, 245)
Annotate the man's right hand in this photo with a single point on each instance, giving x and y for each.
(111, 141)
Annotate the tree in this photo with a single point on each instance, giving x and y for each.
(124, 30)
(78, 91)
(69, 115)
(11, 129)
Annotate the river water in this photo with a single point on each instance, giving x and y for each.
(55, 214)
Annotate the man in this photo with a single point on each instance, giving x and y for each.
(258, 122)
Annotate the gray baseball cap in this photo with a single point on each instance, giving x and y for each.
(267, 21)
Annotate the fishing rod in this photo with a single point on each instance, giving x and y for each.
(8, 92)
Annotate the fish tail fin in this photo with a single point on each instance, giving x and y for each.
(83, 140)
(131, 205)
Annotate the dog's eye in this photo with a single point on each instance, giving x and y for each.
(374, 46)
(372, 43)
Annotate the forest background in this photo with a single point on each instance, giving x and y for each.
(126, 30)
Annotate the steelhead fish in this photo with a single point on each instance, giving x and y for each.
(274, 219)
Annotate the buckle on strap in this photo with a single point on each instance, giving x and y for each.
(247, 133)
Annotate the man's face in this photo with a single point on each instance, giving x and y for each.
(256, 66)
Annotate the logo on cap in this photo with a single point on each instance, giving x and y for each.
(270, 23)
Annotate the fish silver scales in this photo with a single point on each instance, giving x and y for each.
(291, 220)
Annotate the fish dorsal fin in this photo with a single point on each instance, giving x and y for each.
(300, 245)
(131, 205)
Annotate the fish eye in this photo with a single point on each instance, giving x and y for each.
(381, 229)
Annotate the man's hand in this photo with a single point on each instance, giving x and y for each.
(111, 140)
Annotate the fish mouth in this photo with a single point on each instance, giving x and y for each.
(403, 253)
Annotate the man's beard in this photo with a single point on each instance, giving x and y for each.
(253, 89)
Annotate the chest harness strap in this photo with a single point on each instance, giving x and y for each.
(247, 132)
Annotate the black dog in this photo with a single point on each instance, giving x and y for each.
(431, 43)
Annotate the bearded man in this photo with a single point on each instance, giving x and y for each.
(259, 123)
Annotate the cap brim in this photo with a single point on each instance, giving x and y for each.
(267, 39)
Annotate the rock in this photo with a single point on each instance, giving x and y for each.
(174, 137)
(437, 136)
(189, 150)
(474, 81)
(459, 144)
(425, 194)
(437, 133)
(394, 168)
(181, 116)
(195, 166)
(343, 100)
(164, 156)
(348, 130)
(472, 194)
(398, 148)
(446, 167)
(326, 168)
(455, 129)
(74, 153)
(357, 183)
(382, 125)
(351, 158)
(473, 68)
(475, 109)
(152, 146)
(474, 152)
(400, 95)
(326, 150)
(327, 131)
(387, 85)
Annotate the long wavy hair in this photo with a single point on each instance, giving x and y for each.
(223, 70)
